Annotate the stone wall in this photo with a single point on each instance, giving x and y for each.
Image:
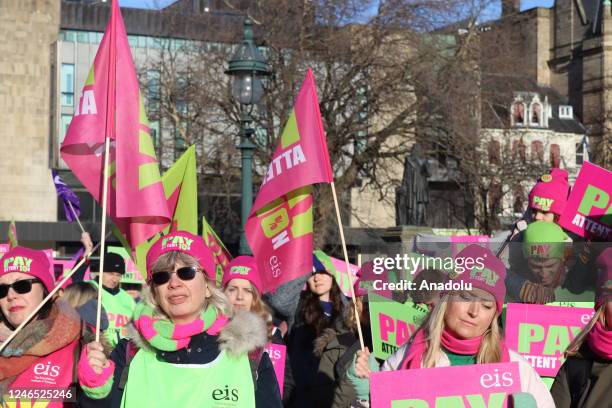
(28, 29)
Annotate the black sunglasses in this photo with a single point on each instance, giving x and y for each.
(21, 286)
(185, 273)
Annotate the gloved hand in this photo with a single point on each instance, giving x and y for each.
(535, 293)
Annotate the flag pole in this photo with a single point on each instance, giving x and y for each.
(76, 217)
(109, 128)
(348, 269)
(58, 286)
(103, 239)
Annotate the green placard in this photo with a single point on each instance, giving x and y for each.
(393, 323)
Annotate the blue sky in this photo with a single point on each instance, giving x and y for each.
(525, 4)
(145, 3)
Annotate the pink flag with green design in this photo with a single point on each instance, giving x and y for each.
(279, 228)
(220, 253)
(111, 106)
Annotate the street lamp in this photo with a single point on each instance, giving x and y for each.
(247, 68)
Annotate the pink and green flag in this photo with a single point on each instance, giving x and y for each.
(279, 229)
(12, 235)
(181, 192)
(221, 254)
(111, 106)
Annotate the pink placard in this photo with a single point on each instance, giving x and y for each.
(588, 212)
(4, 248)
(481, 385)
(541, 333)
(278, 354)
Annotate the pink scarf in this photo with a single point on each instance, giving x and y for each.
(599, 340)
(418, 347)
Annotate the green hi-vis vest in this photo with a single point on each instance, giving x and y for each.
(119, 309)
(225, 382)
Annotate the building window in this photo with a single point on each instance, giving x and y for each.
(555, 155)
(67, 85)
(154, 129)
(536, 114)
(519, 149)
(566, 112)
(537, 151)
(153, 90)
(579, 153)
(519, 199)
(83, 37)
(518, 114)
(64, 123)
(494, 152)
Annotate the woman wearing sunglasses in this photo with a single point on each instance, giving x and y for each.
(188, 354)
(45, 350)
(461, 329)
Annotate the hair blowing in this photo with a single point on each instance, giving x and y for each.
(312, 312)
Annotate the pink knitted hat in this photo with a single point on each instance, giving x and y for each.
(485, 272)
(550, 192)
(243, 267)
(29, 261)
(187, 243)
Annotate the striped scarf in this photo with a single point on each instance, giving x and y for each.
(38, 339)
(164, 335)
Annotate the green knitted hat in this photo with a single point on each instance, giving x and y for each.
(545, 240)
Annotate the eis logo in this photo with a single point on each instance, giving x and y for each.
(46, 373)
(225, 394)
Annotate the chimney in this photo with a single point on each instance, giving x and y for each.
(510, 7)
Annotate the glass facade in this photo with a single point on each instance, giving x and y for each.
(67, 85)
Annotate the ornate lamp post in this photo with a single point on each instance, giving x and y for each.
(247, 68)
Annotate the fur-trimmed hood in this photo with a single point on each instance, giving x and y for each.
(243, 333)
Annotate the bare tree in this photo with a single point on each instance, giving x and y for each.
(385, 71)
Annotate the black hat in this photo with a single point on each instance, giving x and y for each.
(113, 263)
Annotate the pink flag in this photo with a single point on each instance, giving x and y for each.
(111, 106)
(279, 228)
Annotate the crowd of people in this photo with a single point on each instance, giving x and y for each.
(187, 342)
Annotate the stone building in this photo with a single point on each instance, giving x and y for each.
(567, 47)
(28, 30)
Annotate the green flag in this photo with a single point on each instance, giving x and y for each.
(181, 189)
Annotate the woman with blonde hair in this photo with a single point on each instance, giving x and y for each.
(243, 287)
(585, 378)
(462, 329)
(188, 353)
